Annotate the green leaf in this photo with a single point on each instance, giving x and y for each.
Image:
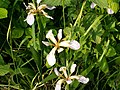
(49, 77)
(74, 85)
(28, 31)
(111, 83)
(101, 3)
(56, 2)
(36, 57)
(97, 39)
(47, 65)
(67, 32)
(111, 52)
(103, 65)
(1, 60)
(27, 71)
(4, 69)
(17, 32)
(23, 41)
(4, 3)
(3, 13)
(86, 71)
(117, 60)
(114, 5)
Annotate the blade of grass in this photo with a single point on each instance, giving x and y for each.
(33, 36)
(80, 14)
(9, 37)
(33, 80)
(40, 36)
(36, 57)
(15, 87)
(24, 40)
(93, 24)
(104, 52)
(63, 10)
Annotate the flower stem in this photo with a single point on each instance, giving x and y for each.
(33, 36)
(80, 14)
(63, 10)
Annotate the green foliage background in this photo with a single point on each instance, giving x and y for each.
(23, 56)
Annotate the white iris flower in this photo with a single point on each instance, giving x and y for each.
(58, 44)
(92, 6)
(110, 11)
(68, 78)
(33, 10)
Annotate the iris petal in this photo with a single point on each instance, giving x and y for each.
(59, 36)
(74, 45)
(72, 69)
(75, 77)
(46, 43)
(60, 50)
(51, 8)
(56, 72)
(64, 71)
(41, 7)
(83, 80)
(58, 84)
(110, 11)
(92, 5)
(51, 57)
(30, 19)
(69, 81)
(50, 36)
(64, 43)
(38, 1)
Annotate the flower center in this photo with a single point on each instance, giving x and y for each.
(57, 45)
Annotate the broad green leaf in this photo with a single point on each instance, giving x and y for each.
(24, 71)
(103, 65)
(67, 32)
(28, 31)
(4, 3)
(17, 32)
(111, 24)
(27, 71)
(1, 60)
(117, 60)
(49, 77)
(101, 3)
(57, 2)
(4, 69)
(86, 71)
(114, 5)
(3, 13)
(111, 52)
(74, 85)
(97, 39)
